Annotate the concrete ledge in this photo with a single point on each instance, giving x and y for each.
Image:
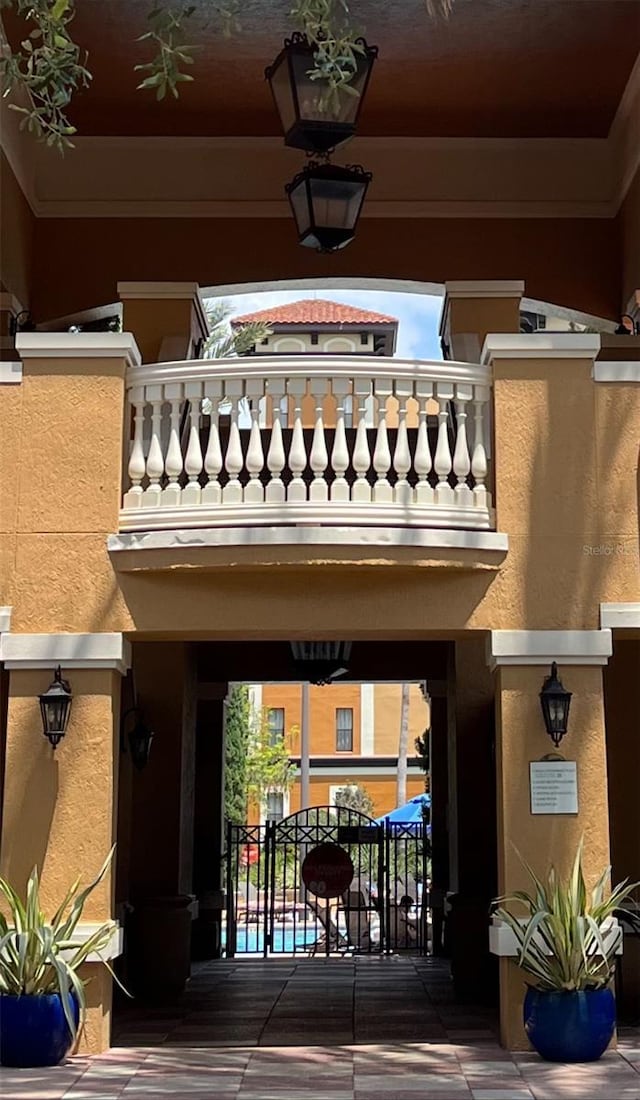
(541, 647)
(5, 619)
(609, 371)
(620, 616)
(540, 345)
(25, 651)
(79, 345)
(11, 373)
(503, 943)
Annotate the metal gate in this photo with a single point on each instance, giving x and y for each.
(327, 880)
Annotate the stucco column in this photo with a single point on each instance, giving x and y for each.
(168, 320)
(60, 807)
(471, 310)
(521, 660)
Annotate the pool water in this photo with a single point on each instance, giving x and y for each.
(250, 940)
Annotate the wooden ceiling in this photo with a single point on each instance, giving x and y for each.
(496, 68)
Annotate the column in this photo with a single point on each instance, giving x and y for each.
(305, 734)
(473, 309)
(209, 839)
(168, 320)
(521, 660)
(60, 807)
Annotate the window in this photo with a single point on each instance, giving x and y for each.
(314, 337)
(275, 806)
(364, 338)
(276, 724)
(265, 341)
(344, 729)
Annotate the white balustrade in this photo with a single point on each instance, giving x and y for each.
(416, 454)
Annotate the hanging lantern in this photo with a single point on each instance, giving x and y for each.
(326, 201)
(321, 662)
(555, 702)
(312, 116)
(55, 708)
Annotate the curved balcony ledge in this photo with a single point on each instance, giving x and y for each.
(251, 547)
(277, 444)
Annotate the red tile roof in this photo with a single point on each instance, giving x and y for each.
(316, 311)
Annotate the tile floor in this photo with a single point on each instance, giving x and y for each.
(365, 1029)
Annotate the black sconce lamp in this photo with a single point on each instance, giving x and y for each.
(139, 737)
(55, 707)
(555, 701)
(326, 201)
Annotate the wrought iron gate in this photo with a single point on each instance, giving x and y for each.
(379, 900)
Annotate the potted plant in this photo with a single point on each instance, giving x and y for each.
(567, 945)
(42, 997)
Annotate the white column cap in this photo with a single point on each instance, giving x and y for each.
(542, 647)
(27, 651)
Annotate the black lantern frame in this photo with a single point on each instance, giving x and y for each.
(321, 662)
(139, 738)
(555, 701)
(55, 708)
(326, 202)
(312, 117)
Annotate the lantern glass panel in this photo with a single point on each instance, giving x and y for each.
(300, 203)
(336, 203)
(282, 88)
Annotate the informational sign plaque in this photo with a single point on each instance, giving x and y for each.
(554, 787)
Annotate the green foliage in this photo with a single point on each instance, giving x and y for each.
(355, 797)
(224, 340)
(40, 956)
(567, 941)
(49, 66)
(235, 758)
(268, 765)
(422, 749)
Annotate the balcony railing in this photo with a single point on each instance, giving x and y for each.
(322, 440)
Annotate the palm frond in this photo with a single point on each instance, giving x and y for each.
(439, 8)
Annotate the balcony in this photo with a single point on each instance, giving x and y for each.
(278, 445)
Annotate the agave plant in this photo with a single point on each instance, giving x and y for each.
(40, 956)
(568, 940)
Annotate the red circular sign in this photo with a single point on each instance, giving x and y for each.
(327, 871)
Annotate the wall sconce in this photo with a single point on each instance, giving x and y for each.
(555, 701)
(139, 737)
(55, 707)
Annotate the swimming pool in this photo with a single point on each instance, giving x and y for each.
(250, 940)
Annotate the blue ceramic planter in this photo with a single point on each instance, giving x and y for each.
(570, 1027)
(34, 1030)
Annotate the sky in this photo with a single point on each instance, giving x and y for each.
(418, 314)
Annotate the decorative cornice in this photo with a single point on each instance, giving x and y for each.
(540, 345)
(542, 647)
(608, 371)
(79, 345)
(620, 616)
(27, 651)
(5, 619)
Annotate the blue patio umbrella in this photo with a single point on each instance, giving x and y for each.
(412, 813)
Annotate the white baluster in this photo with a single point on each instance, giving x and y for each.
(422, 458)
(212, 492)
(402, 493)
(172, 492)
(442, 462)
(192, 494)
(155, 462)
(254, 490)
(297, 490)
(275, 491)
(233, 459)
(137, 466)
(382, 489)
(461, 459)
(341, 388)
(319, 457)
(361, 490)
(481, 497)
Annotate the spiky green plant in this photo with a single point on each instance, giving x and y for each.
(40, 956)
(568, 940)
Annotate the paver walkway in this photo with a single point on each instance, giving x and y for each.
(313, 1031)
